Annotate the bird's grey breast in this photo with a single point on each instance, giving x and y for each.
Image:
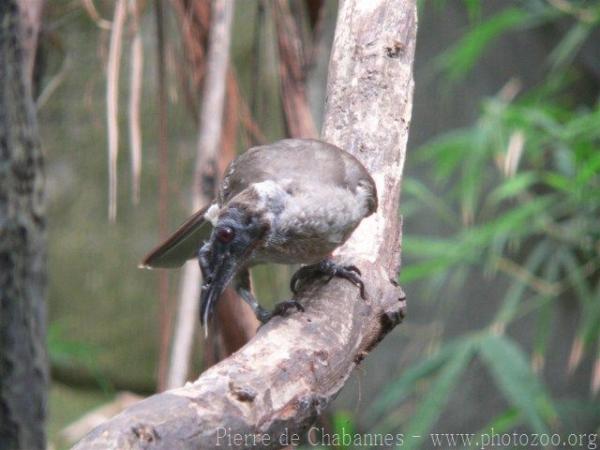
(307, 222)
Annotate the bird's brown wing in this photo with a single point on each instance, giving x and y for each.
(306, 161)
(181, 245)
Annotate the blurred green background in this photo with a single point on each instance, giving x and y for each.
(501, 201)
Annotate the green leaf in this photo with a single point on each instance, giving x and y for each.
(418, 271)
(543, 327)
(343, 424)
(432, 404)
(590, 330)
(417, 189)
(590, 168)
(518, 383)
(558, 181)
(459, 60)
(569, 46)
(504, 422)
(546, 311)
(474, 9)
(64, 351)
(399, 389)
(582, 125)
(519, 222)
(512, 187)
(446, 152)
(68, 353)
(435, 256)
(515, 293)
(577, 279)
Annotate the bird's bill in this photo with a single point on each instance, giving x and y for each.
(224, 269)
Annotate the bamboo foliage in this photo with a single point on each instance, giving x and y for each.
(518, 191)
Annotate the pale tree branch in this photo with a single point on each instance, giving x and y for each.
(112, 103)
(205, 180)
(135, 99)
(241, 324)
(164, 315)
(277, 384)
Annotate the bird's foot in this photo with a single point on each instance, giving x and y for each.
(280, 309)
(331, 269)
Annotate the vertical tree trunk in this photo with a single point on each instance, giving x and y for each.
(23, 362)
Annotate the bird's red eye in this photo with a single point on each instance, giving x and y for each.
(225, 234)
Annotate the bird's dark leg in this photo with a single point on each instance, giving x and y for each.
(329, 268)
(242, 286)
(282, 308)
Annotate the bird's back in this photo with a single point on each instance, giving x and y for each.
(298, 162)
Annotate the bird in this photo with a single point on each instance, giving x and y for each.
(290, 202)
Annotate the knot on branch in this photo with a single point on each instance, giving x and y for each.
(394, 308)
(304, 408)
(395, 49)
(242, 393)
(391, 310)
(144, 434)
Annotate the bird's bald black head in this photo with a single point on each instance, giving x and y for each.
(237, 234)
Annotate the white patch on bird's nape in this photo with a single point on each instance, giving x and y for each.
(212, 214)
(265, 189)
(268, 192)
(272, 199)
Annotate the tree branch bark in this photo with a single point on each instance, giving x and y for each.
(278, 383)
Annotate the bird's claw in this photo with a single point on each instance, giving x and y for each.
(263, 315)
(354, 276)
(331, 269)
(280, 309)
(302, 274)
